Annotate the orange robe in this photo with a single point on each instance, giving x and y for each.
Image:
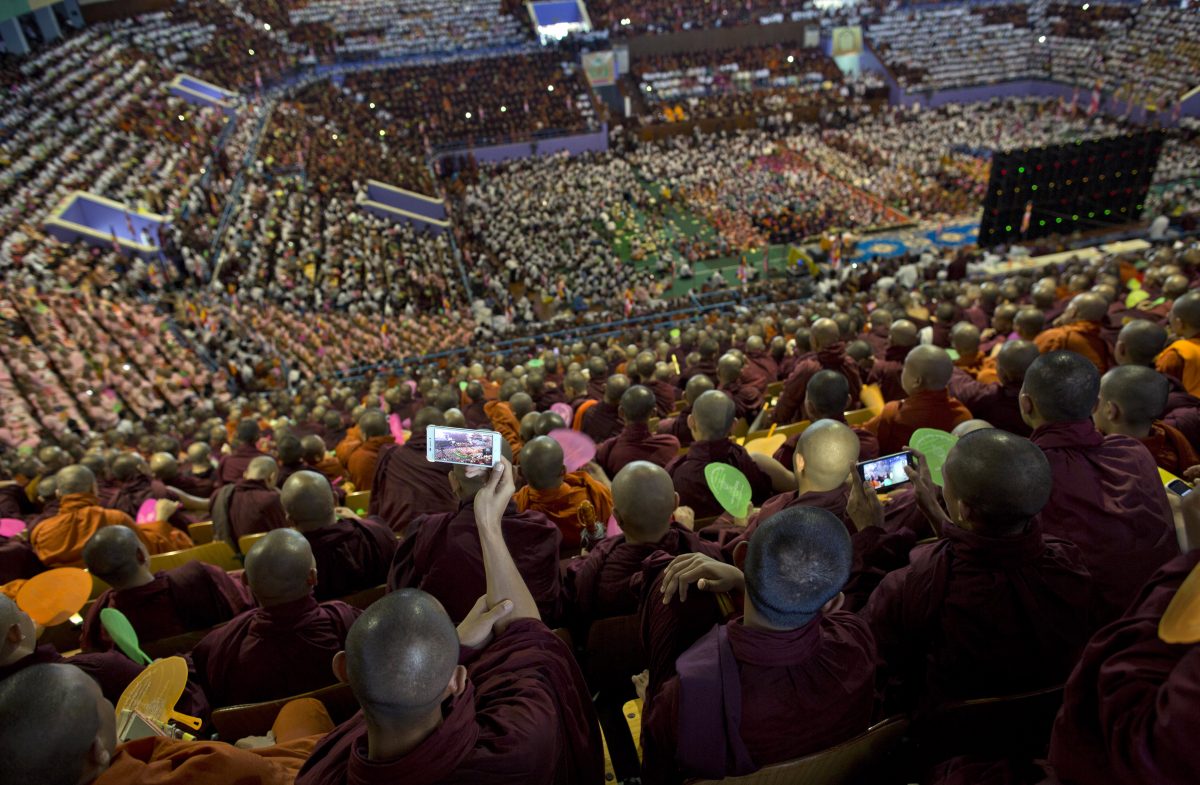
(1182, 361)
(59, 541)
(1170, 448)
(1080, 337)
(567, 505)
(895, 425)
(987, 372)
(331, 467)
(162, 761)
(360, 466)
(505, 422)
(349, 443)
(971, 365)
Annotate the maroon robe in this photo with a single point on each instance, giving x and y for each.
(286, 471)
(112, 670)
(14, 503)
(687, 472)
(886, 372)
(407, 485)
(476, 417)
(996, 403)
(130, 495)
(276, 652)
(1183, 412)
(18, 560)
(730, 535)
(703, 368)
(442, 555)
(977, 617)
(602, 421)
(747, 400)
(525, 717)
(877, 339)
(636, 443)
(351, 555)
(231, 467)
(665, 395)
(247, 507)
(831, 358)
(195, 596)
(868, 446)
(1130, 707)
(1109, 501)
(760, 370)
(196, 484)
(677, 426)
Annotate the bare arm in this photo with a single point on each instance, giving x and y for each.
(504, 582)
(190, 502)
(782, 480)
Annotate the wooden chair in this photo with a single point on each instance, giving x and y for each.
(1006, 726)
(360, 500)
(858, 417)
(774, 389)
(680, 405)
(218, 553)
(176, 644)
(363, 599)
(201, 533)
(247, 542)
(849, 763)
(255, 719)
(564, 635)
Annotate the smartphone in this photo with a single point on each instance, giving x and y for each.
(457, 445)
(1179, 487)
(886, 472)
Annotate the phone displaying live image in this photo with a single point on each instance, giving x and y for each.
(463, 447)
(886, 472)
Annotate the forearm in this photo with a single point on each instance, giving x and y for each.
(504, 582)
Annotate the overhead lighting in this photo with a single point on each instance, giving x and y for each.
(372, 104)
(382, 132)
(550, 88)
(791, 59)
(251, 51)
(266, 26)
(626, 21)
(468, 115)
(182, 118)
(1086, 6)
(504, 109)
(335, 137)
(1041, 39)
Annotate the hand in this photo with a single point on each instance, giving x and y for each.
(346, 512)
(475, 631)
(863, 507)
(987, 334)
(493, 498)
(256, 742)
(164, 509)
(927, 493)
(686, 517)
(749, 516)
(597, 474)
(640, 683)
(706, 572)
(1192, 474)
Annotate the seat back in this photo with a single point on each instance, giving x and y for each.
(846, 764)
(614, 651)
(858, 417)
(774, 389)
(1007, 726)
(247, 542)
(363, 599)
(201, 533)
(98, 587)
(217, 553)
(176, 644)
(360, 500)
(255, 719)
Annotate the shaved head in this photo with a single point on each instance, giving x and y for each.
(307, 500)
(926, 368)
(280, 567)
(1014, 360)
(400, 656)
(164, 466)
(1089, 307)
(644, 500)
(75, 479)
(798, 560)
(314, 447)
(827, 396)
(1139, 395)
(1140, 342)
(127, 465)
(262, 468)
(542, 463)
(965, 339)
(615, 388)
(970, 426)
(112, 555)
(826, 453)
(247, 432)
(902, 333)
(638, 404)
(97, 462)
(425, 417)
(521, 404)
(1187, 310)
(1062, 386)
(373, 423)
(970, 473)
(713, 414)
(549, 421)
(1029, 322)
(697, 386)
(825, 332)
(729, 368)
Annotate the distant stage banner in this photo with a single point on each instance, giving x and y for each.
(847, 41)
(601, 68)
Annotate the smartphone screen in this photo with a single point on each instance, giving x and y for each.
(456, 445)
(1179, 487)
(885, 472)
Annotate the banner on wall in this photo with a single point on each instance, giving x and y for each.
(601, 68)
(847, 41)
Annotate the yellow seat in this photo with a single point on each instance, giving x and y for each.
(359, 501)
(217, 553)
(774, 389)
(247, 542)
(98, 587)
(786, 431)
(859, 417)
(201, 533)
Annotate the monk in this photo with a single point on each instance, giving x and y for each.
(827, 398)
(711, 421)
(284, 646)
(644, 502)
(886, 370)
(1181, 359)
(603, 421)
(232, 467)
(504, 421)
(165, 471)
(1132, 400)
(997, 402)
(289, 454)
(677, 426)
(1002, 327)
(1107, 497)
(794, 675)
(473, 412)
(59, 541)
(407, 484)
(830, 356)
(318, 459)
(1080, 332)
(761, 369)
(747, 400)
(1028, 323)
(1130, 705)
(360, 462)
(160, 604)
(352, 554)
(61, 729)
(442, 554)
(197, 476)
(994, 607)
(574, 501)
(133, 485)
(1139, 343)
(19, 651)
(635, 442)
(964, 339)
(878, 330)
(249, 507)
(927, 372)
(500, 699)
